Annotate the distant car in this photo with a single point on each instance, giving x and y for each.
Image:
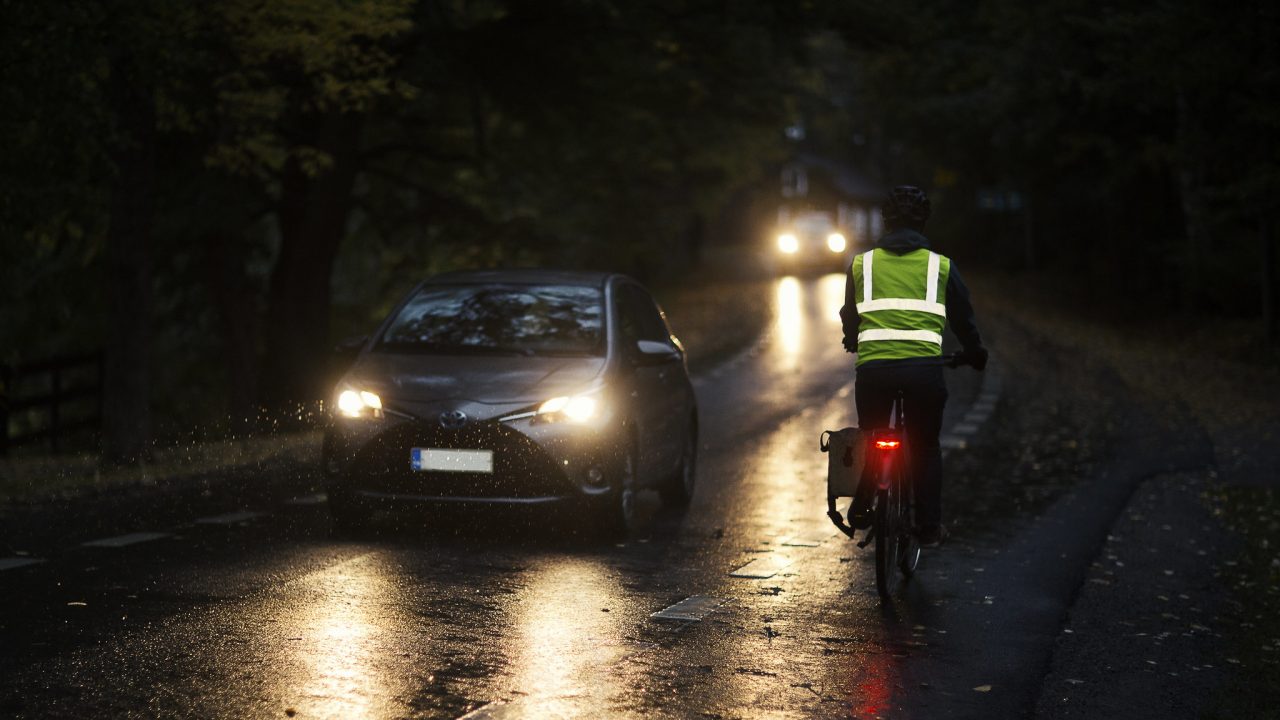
(528, 387)
(811, 240)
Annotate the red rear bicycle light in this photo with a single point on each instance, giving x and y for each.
(888, 444)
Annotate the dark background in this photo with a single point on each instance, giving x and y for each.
(216, 193)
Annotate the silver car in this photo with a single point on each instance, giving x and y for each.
(523, 387)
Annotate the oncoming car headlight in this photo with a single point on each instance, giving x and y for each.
(788, 243)
(836, 242)
(359, 403)
(577, 409)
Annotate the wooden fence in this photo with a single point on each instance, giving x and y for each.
(48, 400)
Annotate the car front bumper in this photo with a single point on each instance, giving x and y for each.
(533, 463)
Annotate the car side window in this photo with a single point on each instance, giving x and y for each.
(628, 317)
(650, 325)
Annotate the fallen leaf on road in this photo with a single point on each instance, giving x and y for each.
(77, 604)
(983, 688)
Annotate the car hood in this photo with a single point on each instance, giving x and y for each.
(482, 386)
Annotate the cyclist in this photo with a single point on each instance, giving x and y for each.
(898, 298)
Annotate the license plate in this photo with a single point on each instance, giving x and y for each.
(434, 459)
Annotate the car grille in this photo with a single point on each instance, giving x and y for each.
(521, 469)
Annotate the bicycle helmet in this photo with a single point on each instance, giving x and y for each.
(906, 205)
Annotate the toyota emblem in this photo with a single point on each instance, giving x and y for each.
(453, 419)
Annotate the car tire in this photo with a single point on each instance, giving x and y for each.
(621, 511)
(677, 491)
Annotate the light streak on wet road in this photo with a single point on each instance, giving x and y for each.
(562, 631)
(335, 638)
(791, 322)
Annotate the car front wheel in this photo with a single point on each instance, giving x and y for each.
(677, 491)
(621, 511)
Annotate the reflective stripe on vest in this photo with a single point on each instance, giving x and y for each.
(935, 308)
(909, 318)
(884, 334)
(929, 304)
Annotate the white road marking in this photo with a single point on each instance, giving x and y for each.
(964, 428)
(951, 442)
(693, 608)
(316, 499)
(813, 538)
(11, 563)
(230, 518)
(977, 417)
(762, 567)
(123, 540)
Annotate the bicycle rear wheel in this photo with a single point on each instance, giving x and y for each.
(888, 539)
(908, 555)
(909, 546)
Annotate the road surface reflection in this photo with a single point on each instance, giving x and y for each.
(336, 639)
(799, 330)
(563, 629)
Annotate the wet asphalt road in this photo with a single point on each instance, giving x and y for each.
(506, 615)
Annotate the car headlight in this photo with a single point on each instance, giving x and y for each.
(359, 403)
(788, 243)
(576, 409)
(836, 242)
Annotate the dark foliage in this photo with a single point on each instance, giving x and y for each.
(216, 192)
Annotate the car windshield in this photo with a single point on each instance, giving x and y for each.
(514, 319)
(813, 223)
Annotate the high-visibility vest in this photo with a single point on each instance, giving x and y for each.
(902, 302)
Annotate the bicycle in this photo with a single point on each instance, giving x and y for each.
(893, 526)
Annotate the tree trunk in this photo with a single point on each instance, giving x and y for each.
(1270, 288)
(1190, 182)
(1265, 16)
(126, 411)
(1029, 255)
(312, 219)
(233, 298)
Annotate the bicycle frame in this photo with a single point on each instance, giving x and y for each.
(889, 445)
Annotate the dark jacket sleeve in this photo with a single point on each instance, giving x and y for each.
(959, 311)
(849, 318)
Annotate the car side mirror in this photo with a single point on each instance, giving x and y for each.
(652, 352)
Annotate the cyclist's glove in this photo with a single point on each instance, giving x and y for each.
(977, 357)
(849, 345)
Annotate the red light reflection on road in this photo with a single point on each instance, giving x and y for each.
(873, 693)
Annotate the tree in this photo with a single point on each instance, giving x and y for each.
(303, 77)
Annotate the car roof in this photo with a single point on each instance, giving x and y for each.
(546, 276)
